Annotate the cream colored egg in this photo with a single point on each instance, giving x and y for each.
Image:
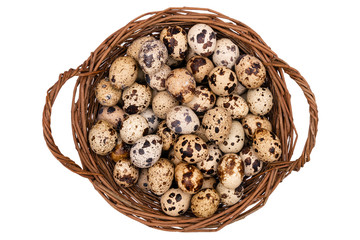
(143, 181)
(235, 104)
(160, 176)
(250, 71)
(175, 40)
(102, 137)
(205, 203)
(134, 49)
(157, 80)
(234, 142)
(217, 124)
(182, 120)
(252, 122)
(123, 72)
(209, 166)
(266, 145)
(222, 81)
(106, 94)
(133, 128)
(226, 53)
(152, 56)
(162, 103)
(203, 100)
(181, 84)
(231, 170)
(260, 100)
(200, 67)
(251, 161)
(188, 177)
(191, 148)
(175, 202)
(113, 115)
(146, 151)
(229, 196)
(136, 98)
(202, 39)
(125, 173)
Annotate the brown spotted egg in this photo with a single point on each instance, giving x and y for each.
(226, 53)
(234, 142)
(157, 80)
(162, 103)
(175, 40)
(167, 135)
(133, 128)
(250, 71)
(152, 119)
(182, 120)
(252, 122)
(146, 151)
(160, 176)
(143, 181)
(191, 148)
(125, 173)
(102, 137)
(231, 170)
(222, 81)
(200, 67)
(260, 100)
(188, 177)
(217, 124)
(235, 104)
(181, 84)
(123, 72)
(203, 100)
(205, 203)
(229, 196)
(152, 56)
(121, 151)
(134, 49)
(209, 166)
(266, 145)
(209, 182)
(136, 98)
(175, 202)
(113, 115)
(251, 162)
(202, 39)
(106, 93)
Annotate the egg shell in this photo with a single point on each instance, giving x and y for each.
(133, 128)
(136, 98)
(191, 148)
(203, 100)
(162, 103)
(102, 137)
(188, 177)
(106, 94)
(160, 176)
(234, 142)
(113, 115)
(173, 158)
(260, 100)
(146, 151)
(240, 89)
(157, 80)
(252, 122)
(250, 71)
(251, 161)
(175, 40)
(200, 67)
(235, 104)
(217, 124)
(181, 84)
(143, 181)
(266, 145)
(231, 170)
(123, 72)
(226, 53)
(152, 56)
(175, 202)
(152, 120)
(202, 39)
(205, 203)
(121, 151)
(209, 166)
(125, 173)
(182, 120)
(222, 81)
(209, 182)
(134, 49)
(229, 196)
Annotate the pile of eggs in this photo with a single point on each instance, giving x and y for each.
(185, 118)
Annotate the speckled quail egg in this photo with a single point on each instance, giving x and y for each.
(260, 100)
(152, 120)
(222, 81)
(251, 162)
(102, 137)
(125, 173)
(175, 202)
(162, 103)
(113, 115)
(203, 100)
(201, 133)
(202, 39)
(181, 84)
(143, 181)
(229, 196)
(136, 98)
(133, 128)
(106, 94)
(182, 120)
(123, 72)
(235, 104)
(157, 80)
(209, 182)
(200, 67)
(217, 124)
(252, 122)
(121, 151)
(209, 166)
(175, 40)
(231, 170)
(266, 145)
(134, 49)
(250, 71)
(226, 53)
(191, 148)
(205, 203)
(173, 158)
(160, 176)
(153, 54)
(240, 89)
(167, 135)
(146, 151)
(188, 177)
(234, 142)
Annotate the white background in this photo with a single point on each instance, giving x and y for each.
(40, 199)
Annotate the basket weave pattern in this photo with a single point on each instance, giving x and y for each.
(145, 207)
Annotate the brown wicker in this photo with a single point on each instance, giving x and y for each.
(144, 207)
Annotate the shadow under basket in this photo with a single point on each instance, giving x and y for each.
(145, 207)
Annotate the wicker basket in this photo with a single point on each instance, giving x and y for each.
(144, 207)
